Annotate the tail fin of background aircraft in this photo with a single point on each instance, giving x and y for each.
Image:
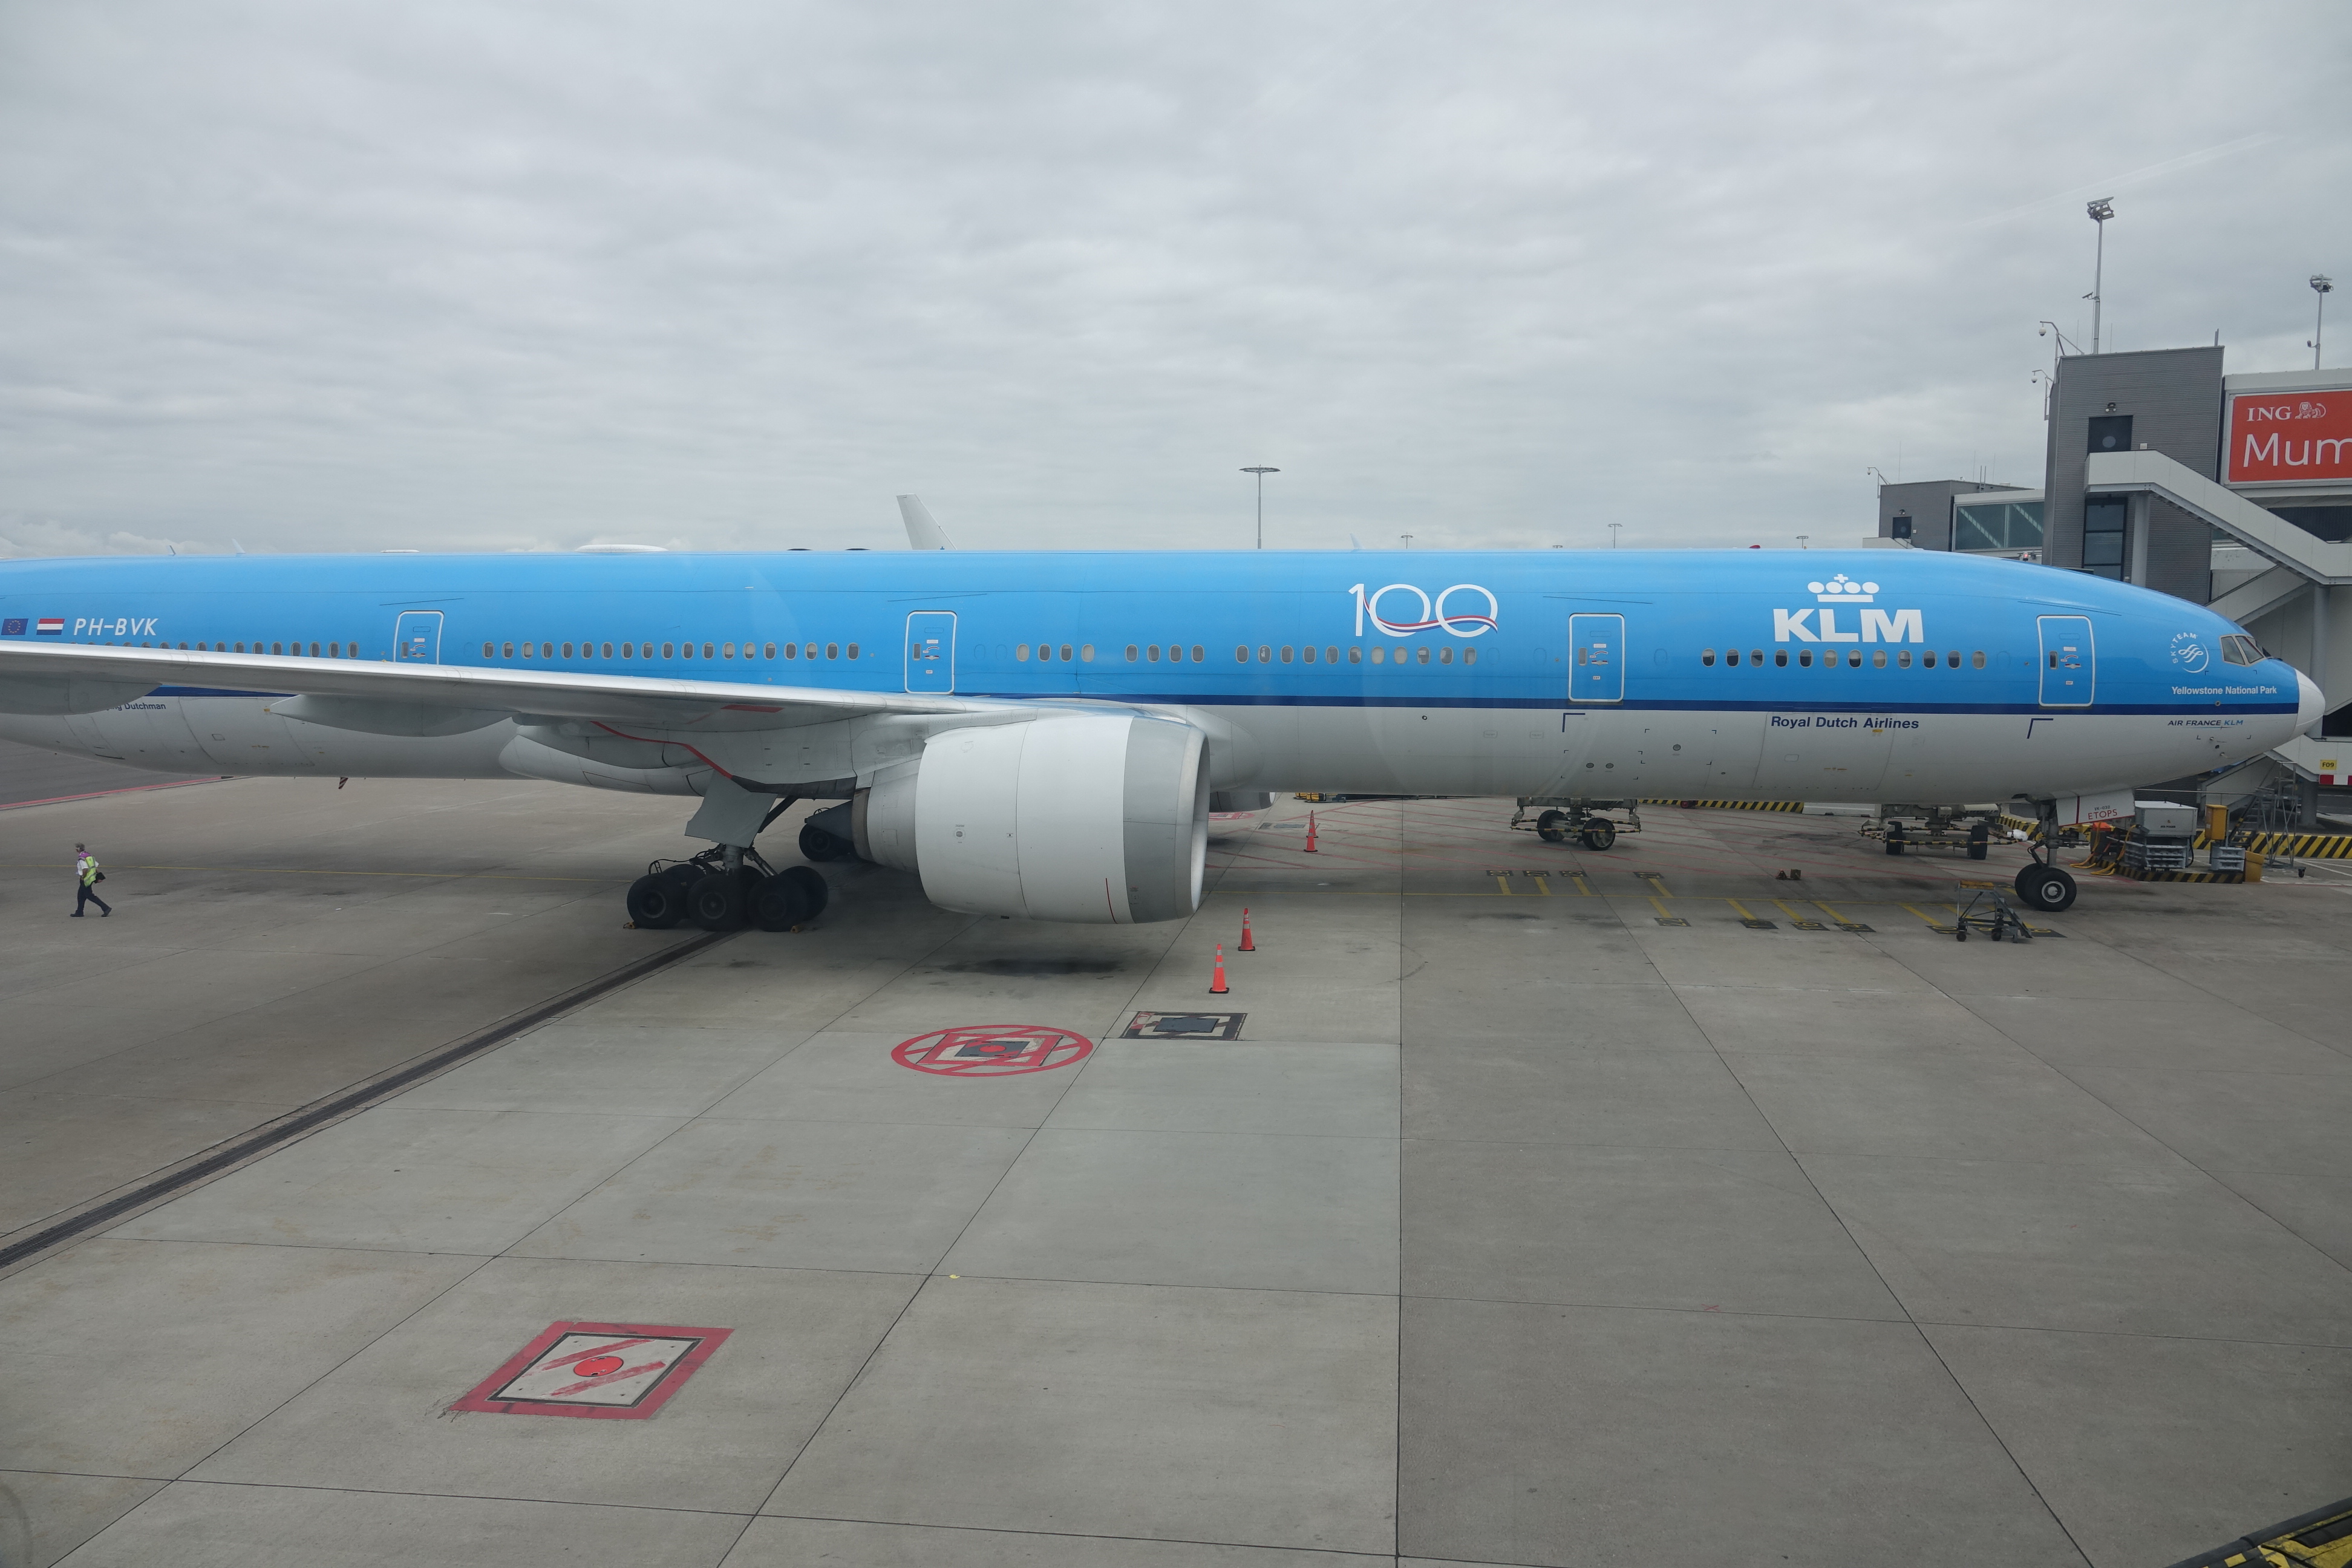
(923, 533)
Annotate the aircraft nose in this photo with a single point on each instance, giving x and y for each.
(2311, 706)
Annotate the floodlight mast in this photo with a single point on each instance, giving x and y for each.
(2100, 211)
(1261, 474)
(2323, 286)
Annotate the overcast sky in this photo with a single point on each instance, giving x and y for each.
(496, 277)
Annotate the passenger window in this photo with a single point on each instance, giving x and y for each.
(526, 650)
(853, 651)
(1240, 655)
(686, 650)
(1152, 653)
(567, 650)
(334, 649)
(1306, 653)
(1953, 658)
(1421, 654)
(1021, 652)
(833, 650)
(1805, 657)
(1380, 656)
(1199, 654)
(546, 649)
(1285, 653)
(1265, 654)
(486, 650)
(1066, 653)
(1928, 659)
(1132, 651)
(1355, 655)
(1904, 659)
(1330, 656)
(791, 651)
(1781, 657)
(490, 650)
(1976, 659)
(1878, 659)
(1731, 657)
(706, 650)
(1706, 657)
(1757, 657)
(608, 650)
(1446, 655)
(1854, 660)
(1085, 652)
(1469, 655)
(727, 650)
(809, 652)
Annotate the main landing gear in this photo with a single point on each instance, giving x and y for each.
(707, 892)
(1579, 821)
(2041, 885)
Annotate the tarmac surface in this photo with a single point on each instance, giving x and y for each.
(1517, 1226)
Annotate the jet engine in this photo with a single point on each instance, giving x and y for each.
(1092, 818)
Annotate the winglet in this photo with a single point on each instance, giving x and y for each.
(923, 533)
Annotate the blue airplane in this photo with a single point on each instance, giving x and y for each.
(1040, 734)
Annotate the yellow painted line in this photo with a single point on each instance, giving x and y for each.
(1504, 883)
(1736, 904)
(1789, 909)
(1582, 891)
(1929, 921)
(1543, 882)
(1833, 915)
(1661, 909)
(1657, 883)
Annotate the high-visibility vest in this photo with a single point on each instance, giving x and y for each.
(89, 869)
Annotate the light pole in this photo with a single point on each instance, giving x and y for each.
(1261, 474)
(2101, 211)
(2323, 286)
(1613, 534)
(1801, 541)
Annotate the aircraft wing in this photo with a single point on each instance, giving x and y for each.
(56, 678)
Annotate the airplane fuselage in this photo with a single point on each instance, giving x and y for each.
(1824, 675)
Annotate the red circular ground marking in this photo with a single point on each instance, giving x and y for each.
(992, 1051)
(597, 1367)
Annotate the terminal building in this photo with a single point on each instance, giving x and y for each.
(2229, 491)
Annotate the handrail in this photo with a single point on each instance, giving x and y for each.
(2315, 558)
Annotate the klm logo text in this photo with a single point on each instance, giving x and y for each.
(1877, 625)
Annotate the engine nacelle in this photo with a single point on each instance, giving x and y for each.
(1093, 819)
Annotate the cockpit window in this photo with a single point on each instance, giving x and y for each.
(2240, 650)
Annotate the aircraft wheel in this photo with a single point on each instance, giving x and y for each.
(1552, 827)
(2046, 889)
(814, 893)
(817, 844)
(780, 904)
(716, 901)
(1599, 832)
(656, 903)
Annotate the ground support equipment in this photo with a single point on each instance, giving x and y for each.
(1558, 819)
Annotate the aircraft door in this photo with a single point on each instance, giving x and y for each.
(417, 637)
(1597, 658)
(2070, 664)
(931, 652)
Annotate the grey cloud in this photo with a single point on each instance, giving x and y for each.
(733, 276)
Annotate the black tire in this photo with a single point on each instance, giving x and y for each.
(1552, 827)
(780, 904)
(715, 903)
(1962, 934)
(656, 903)
(2049, 892)
(1599, 833)
(815, 892)
(817, 844)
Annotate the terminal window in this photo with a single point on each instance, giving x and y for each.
(2103, 537)
(2001, 525)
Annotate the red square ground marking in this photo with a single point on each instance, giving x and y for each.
(618, 1372)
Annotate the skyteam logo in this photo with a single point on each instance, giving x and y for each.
(2190, 652)
(1872, 625)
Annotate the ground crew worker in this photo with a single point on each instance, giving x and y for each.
(86, 879)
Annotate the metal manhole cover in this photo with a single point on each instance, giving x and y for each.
(1185, 1027)
(618, 1372)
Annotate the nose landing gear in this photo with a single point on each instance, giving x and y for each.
(2041, 884)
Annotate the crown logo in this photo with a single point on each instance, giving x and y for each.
(1842, 590)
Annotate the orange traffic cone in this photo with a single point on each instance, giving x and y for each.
(1217, 986)
(1310, 833)
(1248, 945)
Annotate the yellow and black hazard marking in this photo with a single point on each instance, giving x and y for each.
(2252, 873)
(2320, 1539)
(1728, 804)
(1748, 919)
(2304, 846)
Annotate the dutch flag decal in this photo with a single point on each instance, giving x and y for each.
(50, 627)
